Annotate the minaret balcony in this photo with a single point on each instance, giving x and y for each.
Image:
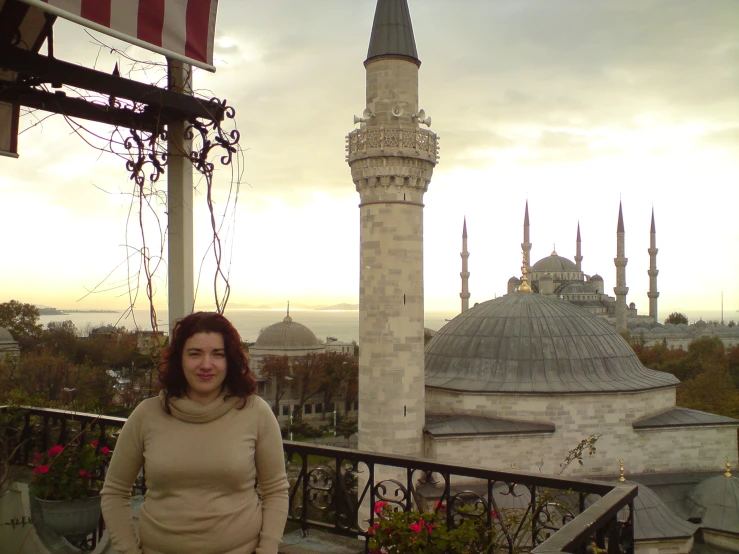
(407, 143)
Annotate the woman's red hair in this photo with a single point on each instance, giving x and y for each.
(239, 379)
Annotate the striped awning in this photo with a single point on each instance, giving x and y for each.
(180, 29)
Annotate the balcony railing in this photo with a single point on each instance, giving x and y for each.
(421, 142)
(334, 489)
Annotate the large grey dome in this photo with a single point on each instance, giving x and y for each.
(554, 263)
(287, 335)
(529, 343)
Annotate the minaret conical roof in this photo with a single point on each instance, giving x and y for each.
(392, 31)
(464, 229)
(653, 230)
(620, 228)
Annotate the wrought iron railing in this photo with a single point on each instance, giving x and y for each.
(335, 489)
(422, 141)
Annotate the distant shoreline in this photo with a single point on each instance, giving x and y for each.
(54, 311)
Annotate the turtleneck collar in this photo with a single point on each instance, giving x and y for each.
(190, 411)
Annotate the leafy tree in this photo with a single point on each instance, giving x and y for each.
(308, 374)
(710, 391)
(731, 323)
(21, 320)
(277, 368)
(337, 371)
(676, 318)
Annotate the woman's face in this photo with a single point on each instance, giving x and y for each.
(204, 365)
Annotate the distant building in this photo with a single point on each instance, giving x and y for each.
(294, 340)
(10, 351)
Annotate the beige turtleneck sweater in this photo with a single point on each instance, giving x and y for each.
(201, 464)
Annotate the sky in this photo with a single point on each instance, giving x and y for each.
(572, 105)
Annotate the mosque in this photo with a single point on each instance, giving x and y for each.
(521, 379)
(9, 349)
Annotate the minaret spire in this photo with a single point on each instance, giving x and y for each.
(392, 159)
(465, 275)
(578, 249)
(653, 272)
(526, 244)
(621, 290)
(392, 32)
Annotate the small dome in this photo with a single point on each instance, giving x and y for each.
(596, 277)
(287, 335)
(5, 335)
(514, 280)
(653, 520)
(715, 502)
(537, 344)
(554, 263)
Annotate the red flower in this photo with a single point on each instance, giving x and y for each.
(416, 527)
(54, 450)
(94, 443)
(431, 527)
(41, 469)
(104, 450)
(439, 506)
(371, 530)
(495, 514)
(379, 506)
(37, 457)
(84, 473)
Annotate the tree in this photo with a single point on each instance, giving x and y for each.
(710, 391)
(21, 320)
(337, 371)
(307, 371)
(277, 368)
(676, 318)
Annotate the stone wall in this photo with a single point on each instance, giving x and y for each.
(576, 417)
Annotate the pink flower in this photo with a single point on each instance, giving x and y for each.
(54, 450)
(84, 473)
(416, 527)
(37, 457)
(41, 470)
(495, 514)
(431, 527)
(104, 450)
(371, 530)
(439, 506)
(94, 443)
(379, 506)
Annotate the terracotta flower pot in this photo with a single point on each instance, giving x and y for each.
(74, 519)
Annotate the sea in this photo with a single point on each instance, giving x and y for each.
(340, 324)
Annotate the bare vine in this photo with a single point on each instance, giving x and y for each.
(146, 158)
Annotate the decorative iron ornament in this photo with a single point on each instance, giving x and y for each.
(144, 150)
(212, 135)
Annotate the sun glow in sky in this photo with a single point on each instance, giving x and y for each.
(572, 105)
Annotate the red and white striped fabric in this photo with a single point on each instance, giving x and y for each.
(180, 29)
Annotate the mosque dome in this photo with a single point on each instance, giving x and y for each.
(287, 335)
(528, 343)
(554, 263)
(514, 280)
(596, 277)
(5, 335)
(715, 503)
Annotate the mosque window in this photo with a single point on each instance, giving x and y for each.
(319, 408)
(286, 410)
(307, 409)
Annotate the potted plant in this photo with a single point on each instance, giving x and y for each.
(399, 532)
(64, 487)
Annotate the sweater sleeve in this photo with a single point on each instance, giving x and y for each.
(125, 465)
(273, 484)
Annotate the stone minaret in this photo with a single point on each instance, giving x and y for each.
(653, 294)
(620, 260)
(392, 159)
(465, 275)
(526, 244)
(578, 250)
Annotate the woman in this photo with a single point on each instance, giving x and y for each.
(203, 443)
